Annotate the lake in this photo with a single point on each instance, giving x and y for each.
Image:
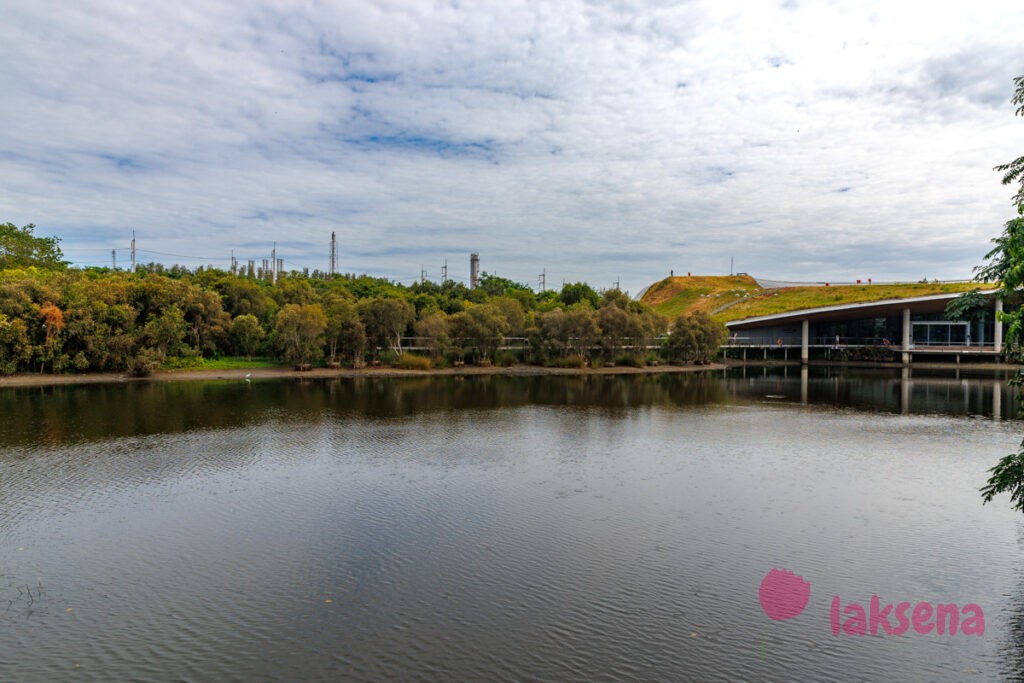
(505, 528)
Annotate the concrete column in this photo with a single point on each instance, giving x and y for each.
(803, 385)
(998, 340)
(805, 333)
(997, 400)
(906, 336)
(905, 391)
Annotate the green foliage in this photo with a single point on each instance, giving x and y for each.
(237, 363)
(20, 249)
(566, 362)
(505, 359)
(968, 306)
(432, 330)
(345, 333)
(246, 334)
(54, 319)
(1014, 171)
(578, 292)
(166, 332)
(695, 337)
(182, 363)
(299, 332)
(480, 330)
(385, 321)
(410, 361)
(146, 362)
(1006, 265)
(492, 286)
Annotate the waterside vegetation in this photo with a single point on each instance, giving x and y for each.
(55, 319)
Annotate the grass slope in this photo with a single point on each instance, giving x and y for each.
(735, 298)
(675, 296)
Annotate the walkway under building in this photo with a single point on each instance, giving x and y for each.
(901, 328)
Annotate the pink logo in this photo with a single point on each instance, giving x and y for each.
(783, 595)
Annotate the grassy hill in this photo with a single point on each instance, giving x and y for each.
(734, 298)
(674, 296)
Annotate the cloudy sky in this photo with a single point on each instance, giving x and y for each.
(592, 140)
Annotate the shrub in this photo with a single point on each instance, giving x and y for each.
(630, 359)
(567, 362)
(387, 357)
(410, 361)
(504, 358)
(145, 363)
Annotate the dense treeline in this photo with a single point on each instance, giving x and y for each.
(55, 319)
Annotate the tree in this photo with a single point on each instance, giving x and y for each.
(385, 319)
(53, 323)
(433, 330)
(481, 328)
(246, 334)
(15, 347)
(579, 291)
(969, 306)
(345, 331)
(1006, 265)
(618, 328)
(166, 332)
(19, 248)
(299, 332)
(695, 337)
(1014, 171)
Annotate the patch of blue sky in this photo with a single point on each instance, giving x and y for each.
(716, 174)
(122, 162)
(419, 252)
(425, 144)
(89, 236)
(278, 214)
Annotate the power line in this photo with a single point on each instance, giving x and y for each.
(191, 256)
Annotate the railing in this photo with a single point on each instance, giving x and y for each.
(761, 341)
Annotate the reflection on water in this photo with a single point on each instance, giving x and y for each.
(501, 528)
(67, 414)
(906, 390)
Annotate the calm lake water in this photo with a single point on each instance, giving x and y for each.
(503, 528)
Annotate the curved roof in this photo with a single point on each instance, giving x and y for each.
(869, 309)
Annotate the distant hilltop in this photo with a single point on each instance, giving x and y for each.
(735, 297)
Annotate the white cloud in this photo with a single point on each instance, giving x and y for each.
(595, 140)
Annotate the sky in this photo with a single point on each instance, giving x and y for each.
(598, 141)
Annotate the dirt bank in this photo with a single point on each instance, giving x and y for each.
(33, 380)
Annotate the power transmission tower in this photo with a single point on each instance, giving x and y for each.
(444, 272)
(334, 254)
(423, 275)
(474, 270)
(113, 259)
(617, 284)
(273, 265)
(543, 280)
(133, 251)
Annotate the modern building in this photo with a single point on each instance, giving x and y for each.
(911, 326)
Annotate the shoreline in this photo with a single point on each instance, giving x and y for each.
(200, 375)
